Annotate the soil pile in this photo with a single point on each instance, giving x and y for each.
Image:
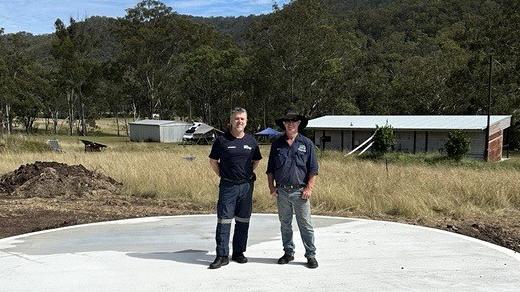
(53, 179)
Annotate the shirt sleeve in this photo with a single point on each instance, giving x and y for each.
(312, 162)
(215, 150)
(270, 162)
(256, 154)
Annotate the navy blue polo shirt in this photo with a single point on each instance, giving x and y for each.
(236, 156)
(292, 165)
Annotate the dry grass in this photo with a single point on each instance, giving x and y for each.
(345, 185)
(105, 126)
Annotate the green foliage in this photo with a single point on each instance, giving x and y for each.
(514, 131)
(384, 139)
(457, 145)
(318, 56)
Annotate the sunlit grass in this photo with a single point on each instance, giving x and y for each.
(412, 190)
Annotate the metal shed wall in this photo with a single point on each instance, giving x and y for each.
(145, 133)
(173, 132)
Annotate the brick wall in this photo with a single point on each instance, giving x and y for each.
(495, 146)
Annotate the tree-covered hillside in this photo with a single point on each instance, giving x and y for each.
(320, 56)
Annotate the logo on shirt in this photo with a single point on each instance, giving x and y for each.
(302, 148)
(231, 147)
(247, 147)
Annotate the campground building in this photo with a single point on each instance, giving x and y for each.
(158, 131)
(414, 134)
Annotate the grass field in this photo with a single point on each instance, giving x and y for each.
(412, 188)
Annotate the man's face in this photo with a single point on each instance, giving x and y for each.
(291, 125)
(238, 122)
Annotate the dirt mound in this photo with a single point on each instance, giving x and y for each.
(52, 179)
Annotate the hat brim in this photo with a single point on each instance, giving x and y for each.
(303, 123)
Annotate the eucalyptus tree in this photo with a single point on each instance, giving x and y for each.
(153, 39)
(211, 80)
(72, 47)
(305, 53)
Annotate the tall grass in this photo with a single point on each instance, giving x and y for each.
(22, 143)
(345, 185)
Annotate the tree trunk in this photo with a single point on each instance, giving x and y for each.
(2, 123)
(84, 130)
(134, 110)
(191, 113)
(126, 126)
(8, 118)
(55, 122)
(117, 122)
(70, 101)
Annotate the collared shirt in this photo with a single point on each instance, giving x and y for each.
(292, 165)
(236, 156)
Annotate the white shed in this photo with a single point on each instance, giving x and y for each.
(413, 133)
(158, 131)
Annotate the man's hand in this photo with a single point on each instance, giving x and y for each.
(270, 184)
(273, 192)
(306, 193)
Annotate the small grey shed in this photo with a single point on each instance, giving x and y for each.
(158, 131)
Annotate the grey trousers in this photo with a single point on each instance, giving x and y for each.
(289, 201)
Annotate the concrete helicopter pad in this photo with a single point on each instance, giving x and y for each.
(172, 254)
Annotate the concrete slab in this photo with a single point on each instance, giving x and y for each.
(172, 254)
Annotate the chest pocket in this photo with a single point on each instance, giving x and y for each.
(301, 158)
(281, 157)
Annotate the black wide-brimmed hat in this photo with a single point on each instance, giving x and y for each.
(292, 115)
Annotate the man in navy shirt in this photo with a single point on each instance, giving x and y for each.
(233, 158)
(294, 167)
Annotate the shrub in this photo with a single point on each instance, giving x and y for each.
(384, 139)
(457, 145)
(514, 131)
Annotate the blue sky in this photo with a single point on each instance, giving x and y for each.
(38, 16)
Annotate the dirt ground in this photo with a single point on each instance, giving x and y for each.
(47, 195)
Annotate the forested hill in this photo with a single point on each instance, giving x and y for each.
(319, 56)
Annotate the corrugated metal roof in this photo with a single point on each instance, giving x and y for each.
(405, 122)
(158, 122)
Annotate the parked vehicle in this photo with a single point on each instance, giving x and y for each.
(189, 134)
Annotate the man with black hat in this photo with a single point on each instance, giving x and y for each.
(233, 158)
(293, 166)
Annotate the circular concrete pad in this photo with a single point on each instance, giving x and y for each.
(172, 254)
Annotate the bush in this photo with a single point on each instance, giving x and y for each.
(384, 139)
(514, 131)
(457, 145)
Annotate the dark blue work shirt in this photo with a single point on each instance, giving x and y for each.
(292, 165)
(236, 156)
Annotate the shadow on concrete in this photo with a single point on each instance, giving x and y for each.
(195, 257)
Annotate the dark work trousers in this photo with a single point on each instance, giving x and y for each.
(234, 201)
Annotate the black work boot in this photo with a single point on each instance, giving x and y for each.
(286, 258)
(239, 258)
(312, 263)
(219, 262)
